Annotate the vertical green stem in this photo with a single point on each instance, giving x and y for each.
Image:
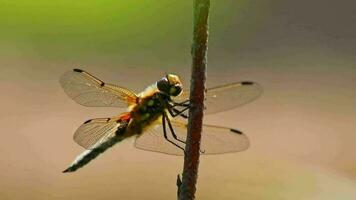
(187, 187)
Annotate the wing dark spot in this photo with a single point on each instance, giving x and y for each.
(247, 83)
(118, 121)
(87, 121)
(102, 84)
(236, 131)
(78, 70)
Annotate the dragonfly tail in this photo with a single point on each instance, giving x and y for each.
(90, 154)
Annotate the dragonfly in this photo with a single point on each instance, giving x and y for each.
(156, 117)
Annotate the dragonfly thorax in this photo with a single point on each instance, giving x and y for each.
(147, 112)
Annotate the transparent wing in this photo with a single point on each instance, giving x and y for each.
(226, 97)
(96, 131)
(215, 139)
(88, 90)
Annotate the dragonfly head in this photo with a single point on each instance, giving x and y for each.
(170, 85)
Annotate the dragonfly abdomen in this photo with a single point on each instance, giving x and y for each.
(96, 150)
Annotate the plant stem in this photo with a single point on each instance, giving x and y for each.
(187, 187)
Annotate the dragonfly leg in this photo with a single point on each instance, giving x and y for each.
(165, 133)
(183, 103)
(172, 130)
(175, 112)
(173, 133)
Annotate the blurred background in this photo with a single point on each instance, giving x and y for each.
(302, 129)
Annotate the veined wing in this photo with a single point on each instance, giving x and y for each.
(229, 96)
(97, 131)
(215, 139)
(88, 90)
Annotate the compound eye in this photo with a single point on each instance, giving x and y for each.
(163, 85)
(175, 90)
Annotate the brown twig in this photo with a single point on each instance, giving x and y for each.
(197, 89)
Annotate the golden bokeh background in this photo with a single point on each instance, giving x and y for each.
(302, 129)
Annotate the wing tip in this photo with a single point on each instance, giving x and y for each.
(77, 70)
(87, 121)
(247, 83)
(236, 131)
